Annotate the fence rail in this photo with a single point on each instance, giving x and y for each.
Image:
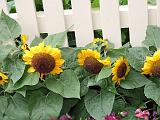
(110, 18)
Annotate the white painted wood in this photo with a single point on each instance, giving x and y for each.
(68, 14)
(138, 21)
(27, 17)
(3, 6)
(158, 13)
(82, 21)
(54, 16)
(111, 21)
(135, 18)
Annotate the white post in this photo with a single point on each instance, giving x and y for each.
(158, 13)
(82, 21)
(27, 17)
(3, 6)
(111, 21)
(138, 21)
(54, 16)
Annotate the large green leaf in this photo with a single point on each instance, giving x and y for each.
(151, 91)
(6, 48)
(99, 105)
(134, 80)
(104, 73)
(15, 68)
(79, 111)
(152, 37)
(68, 86)
(83, 87)
(92, 81)
(68, 104)
(137, 56)
(56, 40)
(17, 108)
(3, 104)
(9, 28)
(116, 53)
(27, 79)
(36, 41)
(46, 107)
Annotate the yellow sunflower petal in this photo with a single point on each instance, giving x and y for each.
(106, 62)
(24, 38)
(56, 70)
(31, 69)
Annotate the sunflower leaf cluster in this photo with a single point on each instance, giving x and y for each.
(45, 80)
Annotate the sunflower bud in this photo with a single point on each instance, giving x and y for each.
(92, 65)
(124, 114)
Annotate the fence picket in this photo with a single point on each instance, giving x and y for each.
(158, 13)
(3, 6)
(54, 16)
(27, 17)
(138, 21)
(82, 21)
(111, 21)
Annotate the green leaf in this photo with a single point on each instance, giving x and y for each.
(27, 79)
(17, 108)
(137, 56)
(151, 91)
(46, 107)
(9, 28)
(134, 80)
(83, 87)
(15, 68)
(119, 105)
(79, 111)
(104, 73)
(34, 97)
(92, 81)
(3, 104)
(68, 104)
(152, 37)
(99, 105)
(56, 40)
(68, 86)
(134, 96)
(116, 53)
(36, 41)
(22, 91)
(6, 48)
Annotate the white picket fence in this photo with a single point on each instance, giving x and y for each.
(110, 18)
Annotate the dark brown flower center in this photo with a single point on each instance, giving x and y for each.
(156, 68)
(43, 63)
(92, 65)
(121, 71)
(1, 78)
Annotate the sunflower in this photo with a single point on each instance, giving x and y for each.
(101, 42)
(120, 70)
(3, 78)
(24, 39)
(152, 65)
(91, 61)
(43, 59)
